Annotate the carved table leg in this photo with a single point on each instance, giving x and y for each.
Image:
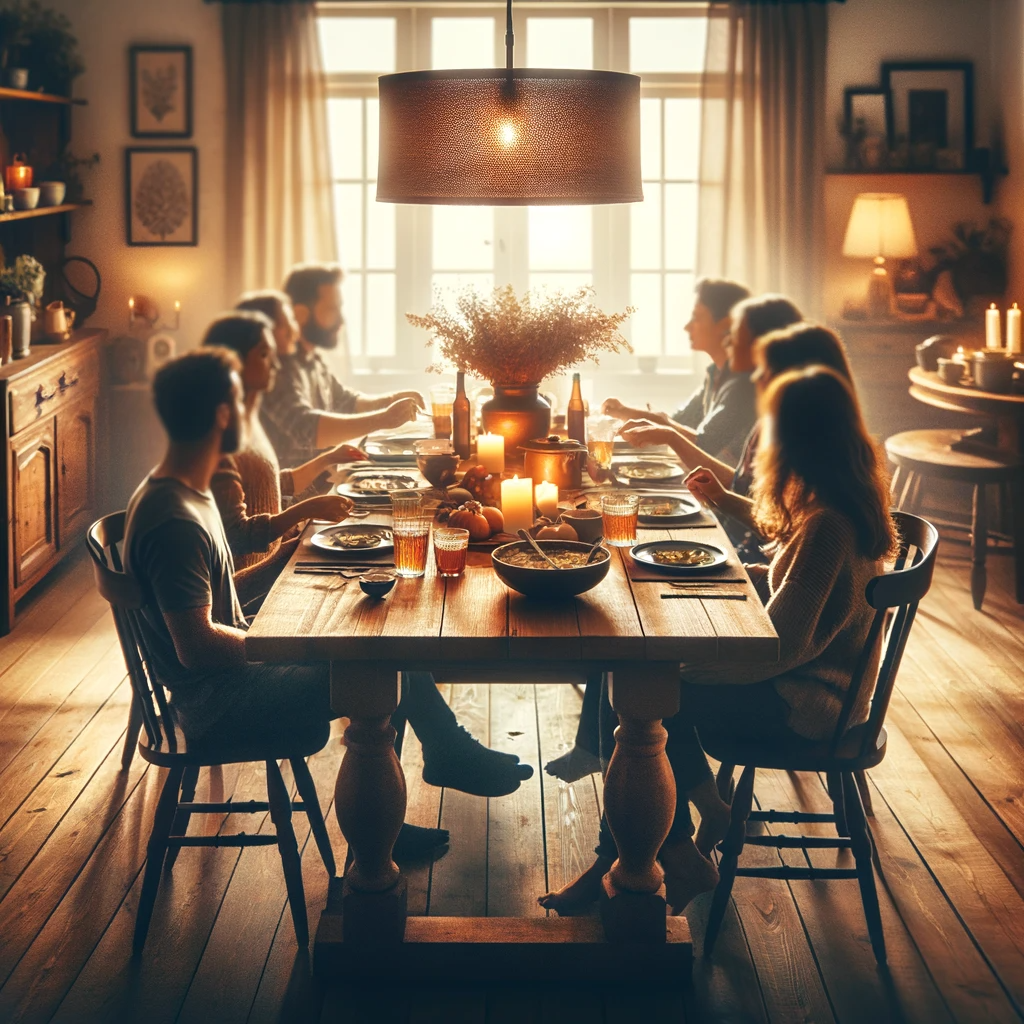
(639, 800)
(369, 800)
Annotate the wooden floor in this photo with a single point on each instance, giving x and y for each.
(949, 826)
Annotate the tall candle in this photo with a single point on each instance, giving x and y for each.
(1013, 340)
(993, 328)
(546, 499)
(517, 503)
(490, 452)
(131, 312)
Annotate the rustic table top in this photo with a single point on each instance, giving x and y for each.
(476, 619)
(932, 389)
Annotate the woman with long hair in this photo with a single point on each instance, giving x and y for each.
(820, 499)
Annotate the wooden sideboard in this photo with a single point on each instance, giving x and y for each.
(50, 402)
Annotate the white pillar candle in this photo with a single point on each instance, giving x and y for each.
(517, 503)
(490, 452)
(546, 499)
(1013, 340)
(993, 328)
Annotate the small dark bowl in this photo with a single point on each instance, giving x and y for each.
(551, 584)
(929, 351)
(439, 468)
(376, 584)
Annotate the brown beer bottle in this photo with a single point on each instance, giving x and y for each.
(575, 420)
(460, 418)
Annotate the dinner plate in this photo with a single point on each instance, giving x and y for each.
(644, 554)
(376, 485)
(647, 474)
(394, 450)
(324, 539)
(667, 509)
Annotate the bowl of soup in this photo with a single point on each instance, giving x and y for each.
(521, 569)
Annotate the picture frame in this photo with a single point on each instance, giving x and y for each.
(931, 112)
(162, 195)
(869, 103)
(160, 85)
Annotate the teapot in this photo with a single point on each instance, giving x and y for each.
(555, 459)
(57, 320)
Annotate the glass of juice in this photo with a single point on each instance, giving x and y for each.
(441, 399)
(412, 537)
(450, 548)
(601, 439)
(619, 511)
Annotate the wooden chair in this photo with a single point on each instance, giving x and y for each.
(920, 454)
(895, 597)
(164, 745)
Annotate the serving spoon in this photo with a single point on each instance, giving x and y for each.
(593, 549)
(523, 535)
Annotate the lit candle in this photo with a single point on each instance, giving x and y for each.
(1013, 341)
(131, 312)
(177, 313)
(517, 503)
(546, 499)
(490, 452)
(993, 328)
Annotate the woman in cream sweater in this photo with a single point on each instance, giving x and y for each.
(820, 498)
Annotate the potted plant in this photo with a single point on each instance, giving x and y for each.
(37, 45)
(21, 287)
(515, 344)
(13, 40)
(977, 260)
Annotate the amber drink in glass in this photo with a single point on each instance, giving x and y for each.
(441, 400)
(412, 537)
(601, 439)
(450, 548)
(619, 512)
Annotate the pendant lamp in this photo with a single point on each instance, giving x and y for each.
(509, 136)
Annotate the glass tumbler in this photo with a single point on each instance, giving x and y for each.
(619, 512)
(450, 549)
(601, 439)
(412, 537)
(406, 504)
(441, 399)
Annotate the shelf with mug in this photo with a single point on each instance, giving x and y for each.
(38, 97)
(43, 211)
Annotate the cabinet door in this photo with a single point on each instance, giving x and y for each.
(76, 469)
(33, 508)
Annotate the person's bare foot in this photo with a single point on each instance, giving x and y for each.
(573, 765)
(580, 895)
(688, 873)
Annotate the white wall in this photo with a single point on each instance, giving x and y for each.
(105, 30)
(1008, 80)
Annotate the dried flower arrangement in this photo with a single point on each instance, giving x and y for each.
(511, 342)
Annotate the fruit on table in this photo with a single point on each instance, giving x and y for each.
(494, 517)
(471, 517)
(482, 485)
(557, 531)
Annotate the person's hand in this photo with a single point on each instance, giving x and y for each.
(346, 453)
(705, 486)
(332, 507)
(643, 434)
(613, 407)
(414, 395)
(398, 413)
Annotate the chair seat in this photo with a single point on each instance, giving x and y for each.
(795, 754)
(213, 748)
(928, 452)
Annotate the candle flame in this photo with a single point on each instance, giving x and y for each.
(1015, 305)
(131, 303)
(992, 305)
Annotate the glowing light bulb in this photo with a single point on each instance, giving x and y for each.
(507, 134)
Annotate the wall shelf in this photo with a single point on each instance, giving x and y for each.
(42, 211)
(38, 97)
(986, 176)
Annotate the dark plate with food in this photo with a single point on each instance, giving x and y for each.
(521, 569)
(667, 509)
(643, 474)
(679, 557)
(376, 485)
(354, 539)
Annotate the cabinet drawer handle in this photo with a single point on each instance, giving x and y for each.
(63, 383)
(42, 397)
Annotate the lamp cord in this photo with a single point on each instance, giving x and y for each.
(509, 38)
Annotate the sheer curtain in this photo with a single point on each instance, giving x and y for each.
(761, 218)
(279, 201)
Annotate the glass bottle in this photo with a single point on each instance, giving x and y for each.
(576, 417)
(460, 418)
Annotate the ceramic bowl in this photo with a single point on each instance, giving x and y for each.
(588, 523)
(551, 584)
(951, 370)
(377, 583)
(993, 371)
(51, 193)
(26, 198)
(931, 349)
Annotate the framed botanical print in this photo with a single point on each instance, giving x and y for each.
(161, 193)
(161, 92)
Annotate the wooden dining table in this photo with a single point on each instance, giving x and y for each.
(473, 628)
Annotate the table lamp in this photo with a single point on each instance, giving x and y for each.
(880, 228)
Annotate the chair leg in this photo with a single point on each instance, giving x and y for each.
(860, 844)
(908, 486)
(725, 782)
(281, 816)
(189, 782)
(731, 848)
(914, 503)
(834, 782)
(979, 544)
(307, 790)
(894, 485)
(157, 848)
(131, 736)
(861, 778)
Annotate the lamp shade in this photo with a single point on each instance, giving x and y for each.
(880, 226)
(509, 137)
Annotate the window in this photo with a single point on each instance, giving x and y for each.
(399, 258)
